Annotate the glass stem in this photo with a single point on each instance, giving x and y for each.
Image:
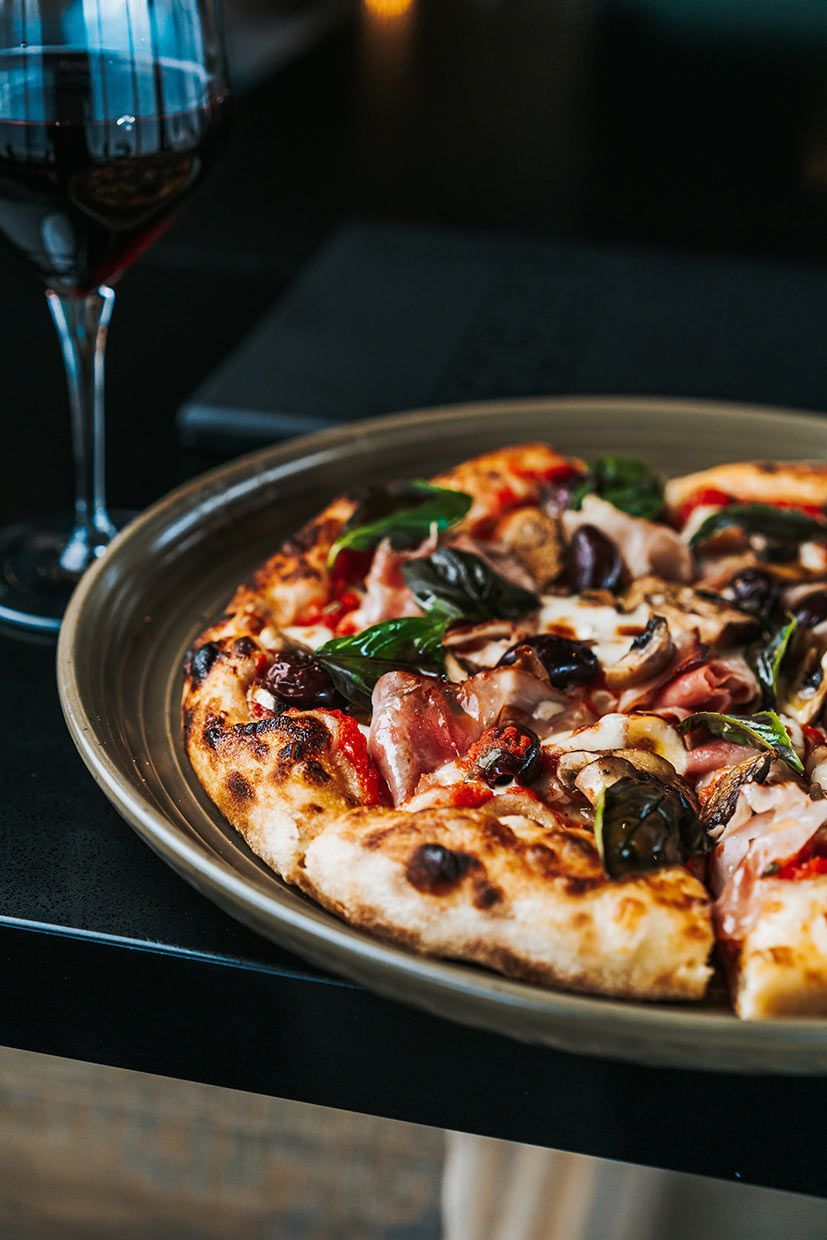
(81, 324)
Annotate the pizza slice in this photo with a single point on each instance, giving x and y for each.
(500, 715)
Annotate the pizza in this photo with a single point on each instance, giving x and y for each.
(558, 718)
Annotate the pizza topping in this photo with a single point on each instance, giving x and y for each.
(420, 723)
(781, 525)
(650, 652)
(640, 824)
(806, 693)
(809, 862)
(297, 678)
(593, 561)
(764, 730)
(567, 663)
(756, 592)
(771, 823)
(646, 547)
(355, 663)
(535, 539)
(707, 497)
(402, 512)
(766, 660)
(460, 585)
(352, 744)
(700, 613)
(712, 684)
(811, 610)
(505, 753)
(621, 732)
(386, 595)
(625, 482)
(720, 797)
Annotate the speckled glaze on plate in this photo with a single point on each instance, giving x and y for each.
(169, 574)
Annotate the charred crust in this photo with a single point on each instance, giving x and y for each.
(581, 886)
(245, 647)
(321, 531)
(187, 718)
(239, 788)
(486, 895)
(306, 737)
(377, 838)
(437, 870)
(543, 859)
(315, 773)
(199, 663)
(213, 731)
(499, 833)
(257, 728)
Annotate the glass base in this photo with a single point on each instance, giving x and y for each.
(35, 583)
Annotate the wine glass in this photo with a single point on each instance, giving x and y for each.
(110, 111)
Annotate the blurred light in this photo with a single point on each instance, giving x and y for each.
(388, 8)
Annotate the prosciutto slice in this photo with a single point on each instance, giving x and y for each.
(714, 755)
(387, 595)
(646, 546)
(771, 822)
(420, 723)
(718, 684)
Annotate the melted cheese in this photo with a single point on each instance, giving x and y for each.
(611, 632)
(312, 635)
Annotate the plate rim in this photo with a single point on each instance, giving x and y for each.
(216, 876)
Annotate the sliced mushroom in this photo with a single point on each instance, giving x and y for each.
(534, 537)
(600, 774)
(475, 646)
(648, 733)
(805, 694)
(712, 617)
(719, 806)
(590, 773)
(649, 653)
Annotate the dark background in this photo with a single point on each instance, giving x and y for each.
(698, 127)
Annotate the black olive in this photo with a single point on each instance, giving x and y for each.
(811, 610)
(779, 553)
(507, 752)
(298, 679)
(567, 662)
(593, 562)
(755, 592)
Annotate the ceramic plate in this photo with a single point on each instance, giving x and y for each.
(168, 576)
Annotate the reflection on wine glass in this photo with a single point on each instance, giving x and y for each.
(110, 111)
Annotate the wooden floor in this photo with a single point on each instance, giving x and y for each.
(99, 1152)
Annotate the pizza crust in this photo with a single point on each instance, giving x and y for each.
(754, 482)
(781, 969)
(531, 901)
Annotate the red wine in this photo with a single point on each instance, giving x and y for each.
(97, 151)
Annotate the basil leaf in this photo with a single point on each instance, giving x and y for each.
(763, 731)
(402, 512)
(766, 661)
(780, 524)
(641, 824)
(461, 585)
(627, 483)
(355, 663)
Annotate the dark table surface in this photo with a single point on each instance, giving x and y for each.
(605, 122)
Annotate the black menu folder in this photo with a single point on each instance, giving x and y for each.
(388, 318)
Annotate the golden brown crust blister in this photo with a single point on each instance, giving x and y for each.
(531, 901)
(754, 482)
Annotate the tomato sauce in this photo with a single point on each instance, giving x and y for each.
(354, 746)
